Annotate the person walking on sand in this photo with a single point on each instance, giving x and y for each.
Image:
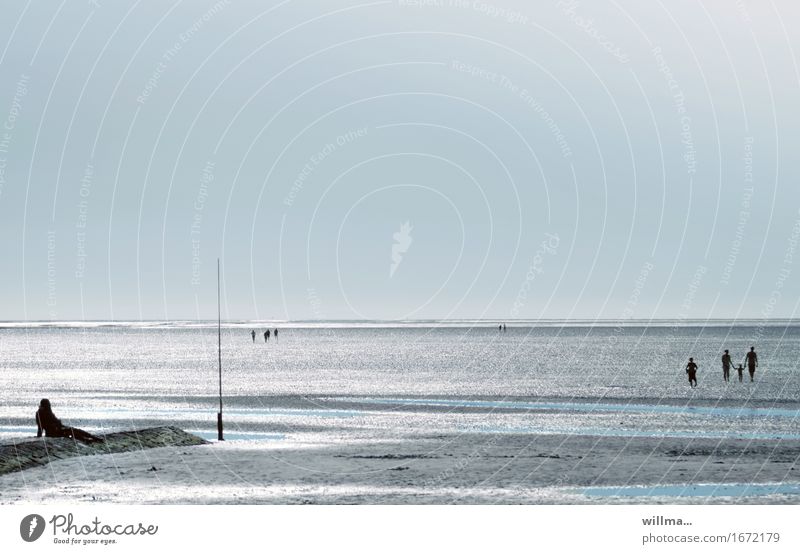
(266, 335)
(752, 362)
(740, 371)
(691, 370)
(276, 334)
(47, 422)
(726, 367)
(253, 334)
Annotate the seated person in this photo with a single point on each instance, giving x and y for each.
(47, 421)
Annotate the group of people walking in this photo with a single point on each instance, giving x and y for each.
(267, 334)
(751, 359)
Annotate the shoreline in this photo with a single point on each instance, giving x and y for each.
(438, 468)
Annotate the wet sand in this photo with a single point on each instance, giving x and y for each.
(351, 461)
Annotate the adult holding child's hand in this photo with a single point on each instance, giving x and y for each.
(752, 362)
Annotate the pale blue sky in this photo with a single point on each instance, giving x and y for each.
(652, 144)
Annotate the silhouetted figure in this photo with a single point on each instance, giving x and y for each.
(691, 370)
(266, 336)
(726, 367)
(47, 421)
(253, 334)
(740, 371)
(752, 362)
(499, 327)
(276, 334)
(504, 327)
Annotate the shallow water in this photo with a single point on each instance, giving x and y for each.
(122, 375)
(462, 387)
(586, 407)
(710, 490)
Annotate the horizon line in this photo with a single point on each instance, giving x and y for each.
(399, 321)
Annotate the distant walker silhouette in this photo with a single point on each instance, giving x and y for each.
(691, 370)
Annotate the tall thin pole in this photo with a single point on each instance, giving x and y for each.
(219, 351)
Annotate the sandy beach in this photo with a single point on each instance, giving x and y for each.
(359, 465)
